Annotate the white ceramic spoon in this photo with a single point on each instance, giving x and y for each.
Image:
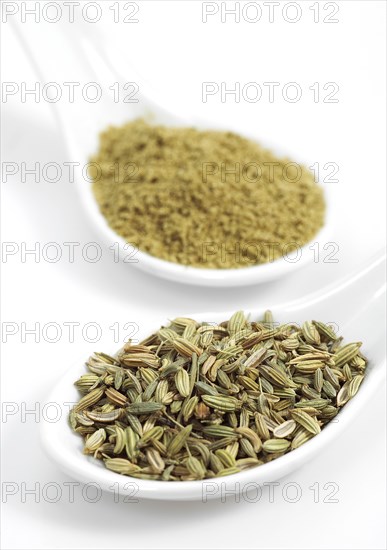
(356, 305)
(88, 58)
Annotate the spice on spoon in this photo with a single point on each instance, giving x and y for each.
(208, 199)
(201, 400)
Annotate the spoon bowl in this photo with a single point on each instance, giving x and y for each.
(91, 59)
(357, 308)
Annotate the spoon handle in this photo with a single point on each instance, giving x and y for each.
(86, 55)
(86, 105)
(356, 305)
(367, 283)
(114, 57)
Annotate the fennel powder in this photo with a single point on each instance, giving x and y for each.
(210, 199)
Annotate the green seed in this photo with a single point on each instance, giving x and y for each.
(354, 385)
(276, 445)
(308, 422)
(95, 441)
(121, 466)
(346, 353)
(144, 408)
(179, 440)
(226, 404)
(182, 382)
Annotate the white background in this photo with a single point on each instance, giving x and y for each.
(176, 52)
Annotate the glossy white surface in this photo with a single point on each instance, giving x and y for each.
(110, 293)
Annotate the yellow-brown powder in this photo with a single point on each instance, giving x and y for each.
(204, 198)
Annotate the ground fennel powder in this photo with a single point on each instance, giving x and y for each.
(209, 199)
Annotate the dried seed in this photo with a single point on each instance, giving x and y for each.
(215, 463)
(290, 344)
(202, 411)
(300, 438)
(182, 382)
(310, 333)
(150, 390)
(195, 467)
(248, 462)
(193, 373)
(144, 408)
(120, 440)
(131, 440)
(346, 353)
(89, 399)
(309, 367)
(347, 372)
(153, 434)
(354, 385)
(252, 436)
(308, 422)
(188, 407)
(167, 410)
(328, 412)
(94, 441)
(343, 396)
(135, 423)
(161, 390)
(221, 403)
(325, 330)
(179, 440)
(80, 418)
(275, 376)
(331, 377)
(276, 445)
(328, 389)
(185, 348)
(314, 403)
(121, 466)
(206, 388)
(226, 458)
(261, 425)
(255, 358)
(285, 429)
(107, 417)
(155, 461)
(237, 322)
(219, 431)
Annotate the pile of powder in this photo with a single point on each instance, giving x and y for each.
(204, 198)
